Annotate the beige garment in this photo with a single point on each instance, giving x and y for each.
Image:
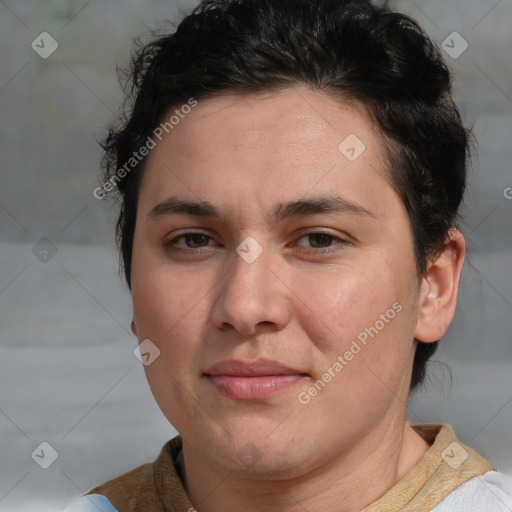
(157, 487)
(442, 469)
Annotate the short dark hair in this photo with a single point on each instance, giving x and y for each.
(352, 50)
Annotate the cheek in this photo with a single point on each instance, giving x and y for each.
(365, 316)
(335, 307)
(173, 321)
(163, 295)
(170, 309)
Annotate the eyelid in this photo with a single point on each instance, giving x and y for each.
(324, 231)
(188, 231)
(169, 240)
(339, 240)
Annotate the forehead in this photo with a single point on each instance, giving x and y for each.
(256, 150)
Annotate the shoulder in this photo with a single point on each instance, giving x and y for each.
(491, 492)
(125, 490)
(91, 503)
(142, 488)
(119, 494)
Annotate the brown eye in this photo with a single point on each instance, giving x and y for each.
(194, 240)
(190, 240)
(319, 240)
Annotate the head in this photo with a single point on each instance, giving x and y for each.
(321, 139)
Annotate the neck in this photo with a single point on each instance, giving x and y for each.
(346, 483)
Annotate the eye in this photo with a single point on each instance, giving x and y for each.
(321, 241)
(191, 240)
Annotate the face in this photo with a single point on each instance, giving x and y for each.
(273, 268)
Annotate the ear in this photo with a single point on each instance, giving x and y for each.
(439, 289)
(133, 327)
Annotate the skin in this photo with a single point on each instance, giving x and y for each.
(301, 302)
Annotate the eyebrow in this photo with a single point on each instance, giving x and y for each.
(319, 205)
(291, 209)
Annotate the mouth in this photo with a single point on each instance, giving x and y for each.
(252, 381)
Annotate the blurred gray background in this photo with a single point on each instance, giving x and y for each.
(68, 376)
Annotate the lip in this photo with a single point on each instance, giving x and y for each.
(259, 368)
(253, 381)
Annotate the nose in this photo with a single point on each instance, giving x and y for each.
(253, 298)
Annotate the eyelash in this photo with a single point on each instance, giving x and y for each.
(170, 244)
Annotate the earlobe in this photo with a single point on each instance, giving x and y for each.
(439, 289)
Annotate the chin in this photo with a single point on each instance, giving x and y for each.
(255, 454)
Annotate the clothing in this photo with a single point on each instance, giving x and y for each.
(451, 477)
(91, 503)
(490, 492)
